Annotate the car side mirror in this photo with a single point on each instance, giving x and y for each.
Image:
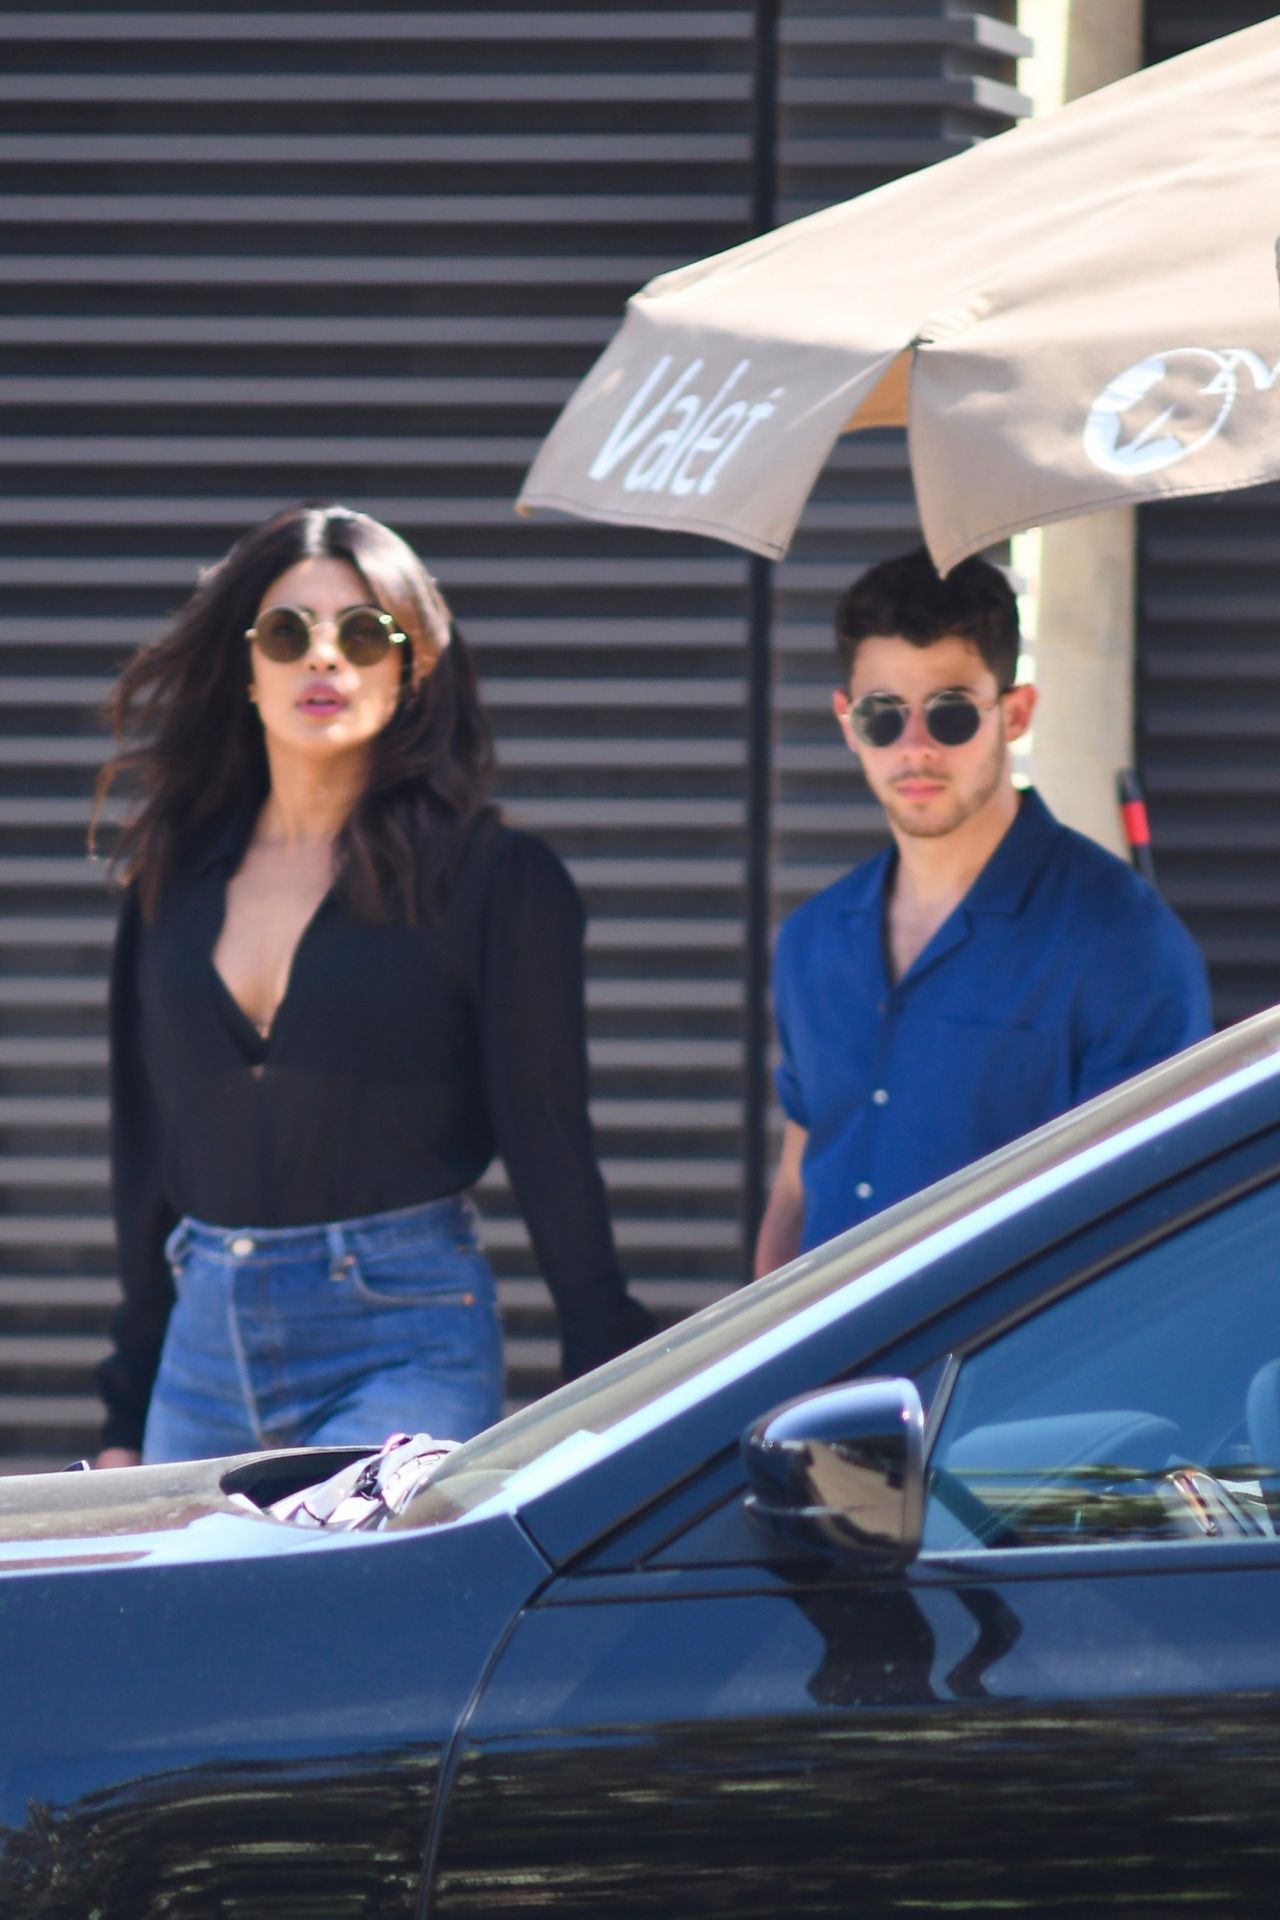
(842, 1471)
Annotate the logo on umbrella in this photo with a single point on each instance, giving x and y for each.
(1170, 405)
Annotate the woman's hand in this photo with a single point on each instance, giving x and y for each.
(119, 1457)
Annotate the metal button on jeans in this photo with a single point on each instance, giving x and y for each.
(241, 1245)
(880, 1097)
(863, 1190)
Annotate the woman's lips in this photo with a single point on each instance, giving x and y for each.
(321, 700)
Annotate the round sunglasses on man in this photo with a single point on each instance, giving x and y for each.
(951, 716)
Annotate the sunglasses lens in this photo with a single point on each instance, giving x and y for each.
(878, 722)
(364, 635)
(953, 719)
(281, 634)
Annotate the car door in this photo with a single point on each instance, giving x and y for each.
(1070, 1702)
(223, 1720)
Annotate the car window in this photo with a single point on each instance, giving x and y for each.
(1143, 1406)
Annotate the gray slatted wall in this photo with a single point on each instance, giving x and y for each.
(249, 256)
(1208, 691)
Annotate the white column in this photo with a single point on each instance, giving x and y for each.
(1078, 609)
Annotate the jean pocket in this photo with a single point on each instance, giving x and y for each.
(423, 1276)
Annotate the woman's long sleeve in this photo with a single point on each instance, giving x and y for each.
(143, 1218)
(535, 1060)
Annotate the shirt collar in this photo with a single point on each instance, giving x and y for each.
(1004, 882)
(863, 887)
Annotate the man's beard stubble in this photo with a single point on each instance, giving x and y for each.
(982, 784)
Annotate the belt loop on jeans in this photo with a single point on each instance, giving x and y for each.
(340, 1261)
(177, 1245)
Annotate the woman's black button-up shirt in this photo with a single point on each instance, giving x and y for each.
(400, 1060)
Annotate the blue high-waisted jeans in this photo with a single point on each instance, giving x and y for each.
(327, 1336)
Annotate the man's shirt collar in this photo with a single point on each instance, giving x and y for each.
(1003, 883)
(999, 889)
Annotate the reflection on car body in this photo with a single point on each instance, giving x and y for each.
(939, 1566)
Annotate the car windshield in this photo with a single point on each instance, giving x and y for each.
(548, 1440)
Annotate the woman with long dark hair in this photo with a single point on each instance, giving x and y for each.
(340, 984)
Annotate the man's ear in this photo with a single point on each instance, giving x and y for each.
(841, 706)
(1019, 705)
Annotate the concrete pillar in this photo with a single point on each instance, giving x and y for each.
(1080, 574)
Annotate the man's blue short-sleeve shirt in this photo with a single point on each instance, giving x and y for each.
(1060, 974)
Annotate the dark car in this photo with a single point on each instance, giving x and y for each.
(939, 1572)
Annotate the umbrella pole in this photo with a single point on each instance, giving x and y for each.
(764, 146)
(759, 780)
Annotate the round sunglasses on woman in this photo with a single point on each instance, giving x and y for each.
(341, 984)
(364, 635)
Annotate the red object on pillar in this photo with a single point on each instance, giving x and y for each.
(1137, 828)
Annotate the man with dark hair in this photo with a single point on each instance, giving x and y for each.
(986, 972)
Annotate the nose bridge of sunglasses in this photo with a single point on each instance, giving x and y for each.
(335, 637)
(916, 725)
(325, 636)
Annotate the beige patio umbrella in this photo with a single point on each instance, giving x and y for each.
(1077, 314)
